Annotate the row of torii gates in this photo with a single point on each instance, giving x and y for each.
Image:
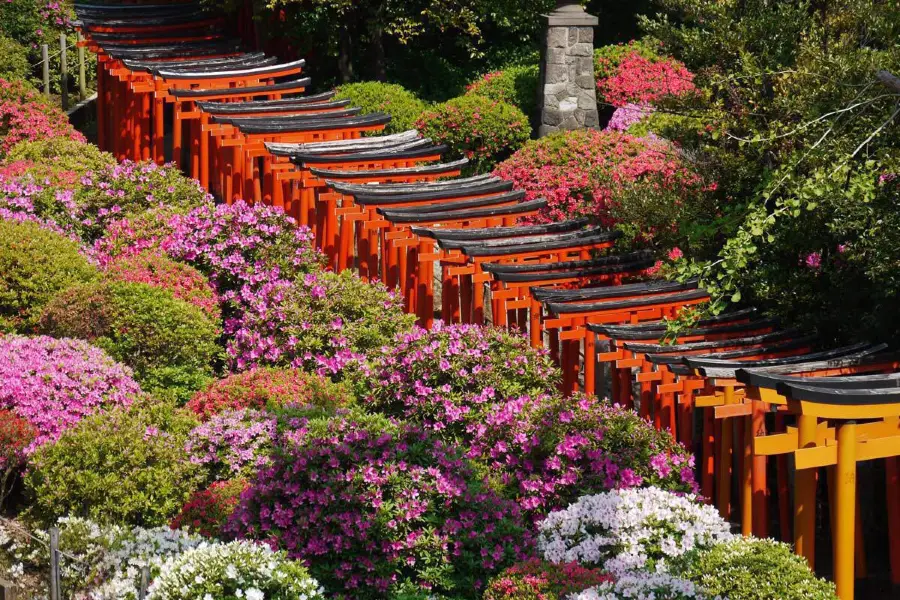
(759, 403)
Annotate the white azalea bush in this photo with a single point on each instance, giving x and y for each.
(643, 586)
(235, 570)
(631, 529)
(101, 562)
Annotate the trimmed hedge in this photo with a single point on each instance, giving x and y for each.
(35, 264)
(374, 96)
(482, 130)
(516, 85)
(168, 342)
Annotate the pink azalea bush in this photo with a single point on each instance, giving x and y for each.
(550, 450)
(323, 321)
(233, 443)
(451, 375)
(592, 173)
(185, 282)
(238, 245)
(129, 236)
(27, 115)
(372, 506)
(55, 383)
(268, 388)
(636, 73)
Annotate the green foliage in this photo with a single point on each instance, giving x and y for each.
(794, 106)
(168, 342)
(373, 96)
(126, 466)
(332, 312)
(516, 85)
(60, 154)
(35, 264)
(482, 130)
(13, 60)
(754, 569)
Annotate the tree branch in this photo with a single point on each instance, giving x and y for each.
(889, 80)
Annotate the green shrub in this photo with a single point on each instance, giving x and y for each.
(168, 342)
(754, 569)
(60, 154)
(373, 96)
(516, 85)
(35, 264)
(13, 60)
(482, 130)
(126, 466)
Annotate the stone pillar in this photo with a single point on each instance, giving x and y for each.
(567, 91)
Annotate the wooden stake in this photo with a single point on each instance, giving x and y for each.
(45, 67)
(63, 71)
(54, 563)
(82, 77)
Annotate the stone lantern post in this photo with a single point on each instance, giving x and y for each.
(567, 91)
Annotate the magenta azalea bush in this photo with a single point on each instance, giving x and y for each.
(268, 388)
(27, 115)
(238, 245)
(232, 444)
(321, 322)
(450, 376)
(55, 383)
(129, 236)
(592, 173)
(549, 450)
(185, 282)
(372, 506)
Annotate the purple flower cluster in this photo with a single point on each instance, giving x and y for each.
(372, 506)
(551, 450)
(323, 321)
(239, 245)
(447, 377)
(232, 443)
(55, 383)
(626, 116)
(20, 198)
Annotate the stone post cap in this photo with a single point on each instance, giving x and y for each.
(570, 13)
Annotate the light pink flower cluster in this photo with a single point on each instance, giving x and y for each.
(55, 383)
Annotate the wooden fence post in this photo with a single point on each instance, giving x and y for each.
(54, 563)
(145, 581)
(82, 79)
(45, 60)
(7, 591)
(64, 71)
